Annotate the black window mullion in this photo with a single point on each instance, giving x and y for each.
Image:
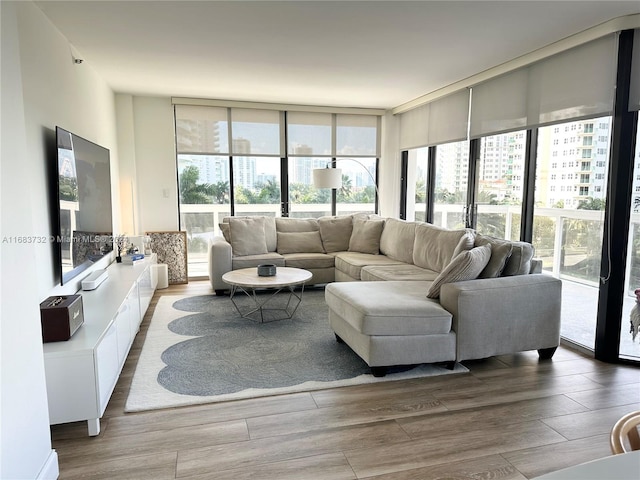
(431, 185)
(529, 184)
(616, 219)
(232, 200)
(284, 187)
(472, 183)
(404, 171)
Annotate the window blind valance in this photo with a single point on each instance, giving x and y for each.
(442, 121)
(573, 84)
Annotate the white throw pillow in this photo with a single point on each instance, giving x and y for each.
(466, 266)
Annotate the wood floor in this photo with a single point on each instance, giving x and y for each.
(511, 417)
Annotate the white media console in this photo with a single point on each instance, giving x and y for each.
(82, 372)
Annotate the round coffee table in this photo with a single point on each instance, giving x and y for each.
(247, 281)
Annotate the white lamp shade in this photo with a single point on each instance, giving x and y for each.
(327, 177)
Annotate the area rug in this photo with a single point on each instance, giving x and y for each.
(198, 350)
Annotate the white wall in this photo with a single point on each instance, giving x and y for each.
(59, 92)
(41, 88)
(155, 160)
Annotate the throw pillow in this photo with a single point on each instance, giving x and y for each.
(466, 243)
(434, 246)
(247, 236)
(365, 237)
(519, 263)
(224, 228)
(335, 233)
(500, 253)
(299, 242)
(466, 266)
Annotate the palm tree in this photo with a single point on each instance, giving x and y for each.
(192, 192)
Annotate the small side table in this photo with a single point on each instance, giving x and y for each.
(247, 281)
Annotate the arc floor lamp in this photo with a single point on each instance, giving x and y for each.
(330, 177)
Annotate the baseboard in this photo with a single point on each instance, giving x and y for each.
(50, 470)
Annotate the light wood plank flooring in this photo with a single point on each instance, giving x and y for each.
(511, 417)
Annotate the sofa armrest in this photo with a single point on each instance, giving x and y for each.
(219, 262)
(496, 316)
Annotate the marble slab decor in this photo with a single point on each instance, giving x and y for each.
(171, 248)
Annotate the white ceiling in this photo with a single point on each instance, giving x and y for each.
(339, 53)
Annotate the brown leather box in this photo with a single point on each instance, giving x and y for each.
(61, 316)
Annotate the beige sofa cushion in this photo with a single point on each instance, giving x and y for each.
(269, 229)
(388, 308)
(352, 263)
(247, 236)
(434, 246)
(309, 261)
(466, 266)
(519, 263)
(397, 240)
(299, 242)
(288, 224)
(500, 253)
(365, 236)
(249, 261)
(335, 232)
(402, 271)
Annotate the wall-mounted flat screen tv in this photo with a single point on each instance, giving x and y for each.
(84, 198)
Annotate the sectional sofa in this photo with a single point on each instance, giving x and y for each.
(403, 293)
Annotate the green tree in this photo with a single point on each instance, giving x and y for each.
(345, 191)
(590, 203)
(191, 191)
(421, 190)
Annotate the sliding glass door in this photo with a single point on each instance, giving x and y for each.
(572, 166)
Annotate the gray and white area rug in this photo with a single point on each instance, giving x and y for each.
(199, 350)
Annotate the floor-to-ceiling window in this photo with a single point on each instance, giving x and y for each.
(309, 146)
(418, 170)
(549, 147)
(499, 185)
(256, 152)
(570, 200)
(204, 174)
(233, 161)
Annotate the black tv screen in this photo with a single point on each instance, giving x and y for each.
(84, 197)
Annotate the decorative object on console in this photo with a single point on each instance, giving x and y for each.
(132, 258)
(121, 240)
(266, 270)
(171, 248)
(61, 317)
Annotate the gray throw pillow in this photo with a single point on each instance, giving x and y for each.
(500, 253)
(299, 242)
(519, 263)
(247, 236)
(365, 237)
(224, 228)
(466, 266)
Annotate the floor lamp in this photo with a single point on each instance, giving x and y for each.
(332, 177)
